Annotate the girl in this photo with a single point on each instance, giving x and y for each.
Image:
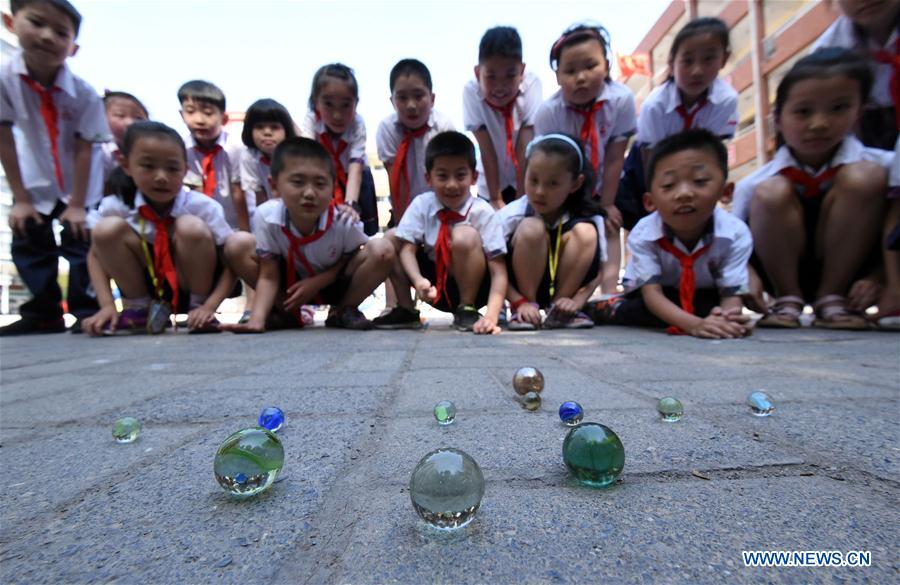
(266, 125)
(555, 237)
(122, 110)
(692, 97)
(817, 209)
(601, 111)
(162, 243)
(334, 122)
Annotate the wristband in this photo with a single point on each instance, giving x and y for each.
(514, 305)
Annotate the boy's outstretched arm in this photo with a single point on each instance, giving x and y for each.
(490, 165)
(305, 289)
(526, 135)
(424, 288)
(715, 326)
(266, 290)
(354, 182)
(108, 313)
(75, 212)
(488, 323)
(22, 209)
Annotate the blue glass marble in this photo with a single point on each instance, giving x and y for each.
(760, 404)
(571, 413)
(271, 418)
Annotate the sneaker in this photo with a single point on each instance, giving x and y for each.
(604, 310)
(76, 327)
(516, 324)
(398, 318)
(502, 320)
(307, 315)
(347, 318)
(245, 317)
(554, 320)
(465, 317)
(33, 325)
(130, 321)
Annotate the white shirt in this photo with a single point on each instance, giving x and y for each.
(227, 163)
(187, 202)
(512, 214)
(354, 136)
(894, 178)
(390, 135)
(255, 173)
(340, 237)
(850, 151)
(420, 224)
(80, 114)
(103, 162)
(478, 114)
(659, 117)
(723, 266)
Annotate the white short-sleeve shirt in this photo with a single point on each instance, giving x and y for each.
(894, 178)
(187, 202)
(420, 224)
(227, 163)
(103, 162)
(723, 266)
(850, 151)
(338, 238)
(255, 172)
(478, 114)
(512, 214)
(80, 114)
(659, 117)
(390, 135)
(354, 136)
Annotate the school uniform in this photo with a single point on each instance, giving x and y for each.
(104, 160)
(421, 225)
(46, 163)
(255, 173)
(503, 126)
(512, 215)
(214, 170)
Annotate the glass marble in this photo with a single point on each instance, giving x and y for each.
(760, 403)
(446, 488)
(126, 429)
(248, 462)
(531, 401)
(670, 409)
(594, 454)
(445, 412)
(527, 380)
(571, 413)
(271, 418)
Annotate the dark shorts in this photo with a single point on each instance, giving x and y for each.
(634, 311)
(878, 128)
(429, 271)
(184, 295)
(508, 194)
(332, 294)
(632, 186)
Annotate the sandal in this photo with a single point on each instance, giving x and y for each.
(784, 313)
(832, 313)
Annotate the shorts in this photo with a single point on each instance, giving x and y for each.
(429, 270)
(508, 194)
(633, 311)
(878, 127)
(184, 295)
(332, 294)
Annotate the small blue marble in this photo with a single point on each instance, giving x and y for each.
(271, 418)
(571, 413)
(240, 478)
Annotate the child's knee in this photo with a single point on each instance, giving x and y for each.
(775, 194)
(191, 230)
(861, 179)
(465, 238)
(239, 245)
(381, 250)
(110, 230)
(530, 232)
(584, 235)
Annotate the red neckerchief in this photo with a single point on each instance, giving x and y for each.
(812, 187)
(163, 263)
(399, 179)
(208, 167)
(688, 117)
(264, 159)
(295, 246)
(507, 113)
(51, 119)
(892, 59)
(687, 283)
(442, 253)
(340, 173)
(589, 133)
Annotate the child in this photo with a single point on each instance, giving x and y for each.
(499, 106)
(303, 250)
(601, 112)
(213, 157)
(688, 263)
(47, 162)
(873, 29)
(554, 236)
(692, 97)
(266, 125)
(888, 316)
(334, 122)
(817, 209)
(160, 247)
(122, 110)
(453, 243)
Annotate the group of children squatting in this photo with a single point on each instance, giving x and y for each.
(289, 208)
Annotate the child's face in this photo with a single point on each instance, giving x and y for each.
(697, 64)
(581, 72)
(157, 166)
(306, 187)
(122, 113)
(499, 79)
(549, 182)
(46, 35)
(870, 13)
(203, 119)
(817, 115)
(412, 101)
(336, 104)
(268, 135)
(451, 179)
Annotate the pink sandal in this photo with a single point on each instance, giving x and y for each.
(832, 313)
(784, 313)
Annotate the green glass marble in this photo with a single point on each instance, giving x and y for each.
(527, 380)
(126, 430)
(670, 409)
(594, 454)
(446, 488)
(531, 401)
(445, 412)
(248, 462)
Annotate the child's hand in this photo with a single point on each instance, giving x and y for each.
(199, 317)
(251, 326)
(565, 305)
(863, 294)
(299, 293)
(486, 326)
(718, 327)
(529, 313)
(425, 291)
(76, 217)
(613, 217)
(734, 315)
(19, 216)
(94, 324)
(497, 203)
(347, 213)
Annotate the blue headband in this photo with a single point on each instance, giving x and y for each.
(564, 138)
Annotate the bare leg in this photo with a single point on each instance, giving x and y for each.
(776, 221)
(578, 248)
(610, 282)
(240, 255)
(367, 270)
(468, 264)
(194, 250)
(890, 296)
(529, 259)
(398, 278)
(118, 248)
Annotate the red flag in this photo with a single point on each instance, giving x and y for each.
(635, 64)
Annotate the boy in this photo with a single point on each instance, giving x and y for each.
(122, 110)
(453, 244)
(304, 250)
(688, 263)
(59, 117)
(213, 159)
(499, 108)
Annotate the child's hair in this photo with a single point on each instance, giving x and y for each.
(581, 202)
(449, 143)
(61, 5)
(500, 41)
(108, 96)
(700, 26)
(335, 71)
(410, 67)
(576, 34)
(266, 110)
(202, 91)
(121, 184)
(300, 147)
(823, 64)
(693, 139)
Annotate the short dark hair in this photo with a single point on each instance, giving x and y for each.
(578, 34)
(824, 63)
(335, 71)
(301, 148)
(693, 139)
(121, 184)
(449, 143)
(266, 110)
(61, 5)
(701, 26)
(202, 91)
(500, 41)
(108, 96)
(410, 67)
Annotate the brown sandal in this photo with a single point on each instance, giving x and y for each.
(784, 313)
(832, 313)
